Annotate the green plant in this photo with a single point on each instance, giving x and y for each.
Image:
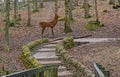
(5, 71)
(77, 68)
(83, 6)
(105, 11)
(1, 30)
(80, 43)
(68, 42)
(14, 22)
(28, 60)
(92, 25)
(62, 19)
(87, 17)
(34, 11)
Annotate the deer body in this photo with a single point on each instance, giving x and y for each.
(49, 24)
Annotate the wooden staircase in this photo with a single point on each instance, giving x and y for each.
(47, 56)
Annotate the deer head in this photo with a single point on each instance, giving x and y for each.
(55, 13)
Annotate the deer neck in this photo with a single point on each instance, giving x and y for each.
(54, 21)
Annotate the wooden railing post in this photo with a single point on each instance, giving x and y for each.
(41, 74)
(45, 71)
(55, 71)
(100, 71)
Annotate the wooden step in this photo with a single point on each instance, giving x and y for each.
(50, 46)
(56, 62)
(65, 74)
(47, 49)
(46, 56)
(62, 68)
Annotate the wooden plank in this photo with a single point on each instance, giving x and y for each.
(51, 0)
(98, 72)
(41, 74)
(30, 72)
(106, 73)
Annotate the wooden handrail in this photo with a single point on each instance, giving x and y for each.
(51, 70)
(100, 71)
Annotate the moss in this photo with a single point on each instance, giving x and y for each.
(25, 46)
(68, 42)
(72, 64)
(14, 22)
(29, 61)
(26, 57)
(83, 6)
(32, 44)
(34, 11)
(105, 11)
(92, 25)
(26, 53)
(89, 16)
(111, 3)
(33, 62)
(62, 19)
(59, 47)
(1, 30)
(37, 42)
(5, 71)
(80, 43)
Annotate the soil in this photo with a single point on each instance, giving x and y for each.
(20, 35)
(106, 54)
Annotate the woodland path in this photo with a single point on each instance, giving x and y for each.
(46, 53)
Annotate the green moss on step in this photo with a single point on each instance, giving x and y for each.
(68, 42)
(28, 60)
(92, 25)
(71, 63)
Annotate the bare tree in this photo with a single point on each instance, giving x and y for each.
(7, 18)
(75, 2)
(29, 13)
(112, 2)
(41, 4)
(119, 2)
(86, 7)
(67, 28)
(15, 9)
(56, 6)
(96, 11)
(35, 6)
(70, 7)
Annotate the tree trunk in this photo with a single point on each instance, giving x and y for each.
(119, 2)
(15, 9)
(35, 6)
(7, 8)
(25, 1)
(67, 28)
(86, 7)
(112, 2)
(75, 2)
(29, 14)
(41, 4)
(70, 6)
(56, 6)
(96, 11)
(2, 7)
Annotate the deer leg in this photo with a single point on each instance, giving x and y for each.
(42, 31)
(52, 31)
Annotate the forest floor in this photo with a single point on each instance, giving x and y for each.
(21, 35)
(104, 53)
